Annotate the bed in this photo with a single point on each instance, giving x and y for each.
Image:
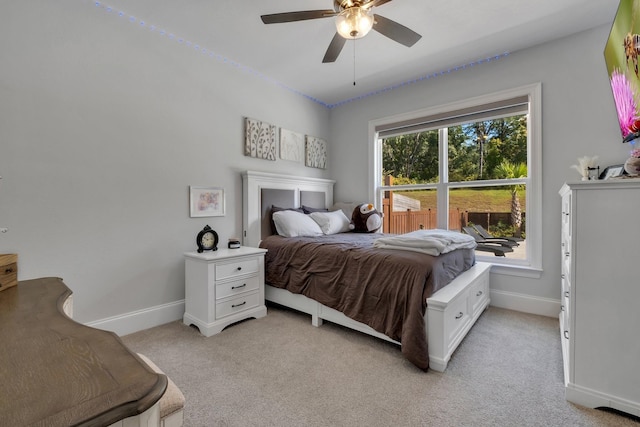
(430, 329)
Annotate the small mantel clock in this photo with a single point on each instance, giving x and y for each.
(207, 240)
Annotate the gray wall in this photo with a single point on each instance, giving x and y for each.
(578, 119)
(103, 127)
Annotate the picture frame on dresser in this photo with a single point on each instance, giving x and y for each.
(206, 201)
(613, 171)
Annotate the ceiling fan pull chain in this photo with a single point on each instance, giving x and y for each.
(354, 62)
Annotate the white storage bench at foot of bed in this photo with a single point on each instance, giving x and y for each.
(451, 312)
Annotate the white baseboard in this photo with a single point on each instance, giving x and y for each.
(525, 303)
(135, 321)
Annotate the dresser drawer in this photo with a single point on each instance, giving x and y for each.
(236, 268)
(456, 317)
(246, 284)
(565, 299)
(8, 271)
(237, 304)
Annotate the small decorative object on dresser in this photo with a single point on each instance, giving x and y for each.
(613, 171)
(223, 287)
(207, 240)
(585, 164)
(632, 165)
(234, 243)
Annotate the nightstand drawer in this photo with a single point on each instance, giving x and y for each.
(238, 304)
(234, 287)
(236, 268)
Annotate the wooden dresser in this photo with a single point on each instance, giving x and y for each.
(56, 372)
(600, 279)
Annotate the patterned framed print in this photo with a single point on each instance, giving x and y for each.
(260, 139)
(315, 152)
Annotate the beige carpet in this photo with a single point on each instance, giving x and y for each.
(282, 371)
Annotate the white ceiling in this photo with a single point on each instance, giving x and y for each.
(454, 33)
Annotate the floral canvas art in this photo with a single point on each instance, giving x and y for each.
(260, 139)
(621, 54)
(315, 152)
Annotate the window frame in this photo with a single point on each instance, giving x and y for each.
(532, 266)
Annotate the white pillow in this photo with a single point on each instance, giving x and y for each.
(295, 224)
(331, 222)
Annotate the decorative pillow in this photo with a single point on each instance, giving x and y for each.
(332, 222)
(275, 209)
(308, 209)
(346, 207)
(295, 224)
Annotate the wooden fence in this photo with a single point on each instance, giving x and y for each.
(399, 222)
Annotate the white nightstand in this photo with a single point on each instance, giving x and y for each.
(223, 287)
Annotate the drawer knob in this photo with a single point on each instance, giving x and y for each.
(239, 268)
(566, 334)
(238, 305)
(9, 270)
(479, 293)
(459, 315)
(240, 286)
(566, 254)
(566, 294)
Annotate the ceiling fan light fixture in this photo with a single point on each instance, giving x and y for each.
(354, 22)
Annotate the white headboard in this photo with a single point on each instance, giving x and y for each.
(260, 190)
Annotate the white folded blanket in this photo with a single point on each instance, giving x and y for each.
(432, 242)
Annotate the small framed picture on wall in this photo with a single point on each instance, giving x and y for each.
(206, 201)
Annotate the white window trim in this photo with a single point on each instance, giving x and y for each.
(532, 267)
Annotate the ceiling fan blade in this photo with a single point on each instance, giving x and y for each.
(334, 49)
(395, 31)
(303, 15)
(375, 3)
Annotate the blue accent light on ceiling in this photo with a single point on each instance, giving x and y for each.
(248, 70)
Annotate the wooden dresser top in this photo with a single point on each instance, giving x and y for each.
(57, 372)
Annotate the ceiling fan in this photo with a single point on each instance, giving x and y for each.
(354, 19)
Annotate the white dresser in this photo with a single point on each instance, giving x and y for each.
(223, 287)
(600, 318)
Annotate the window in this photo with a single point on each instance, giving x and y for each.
(473, 163)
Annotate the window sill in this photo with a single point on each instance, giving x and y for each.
(515, 270)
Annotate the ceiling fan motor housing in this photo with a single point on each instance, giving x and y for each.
(340, 5)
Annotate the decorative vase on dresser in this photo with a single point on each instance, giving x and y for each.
(632, 166)
(223, 287)
(600, 319)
